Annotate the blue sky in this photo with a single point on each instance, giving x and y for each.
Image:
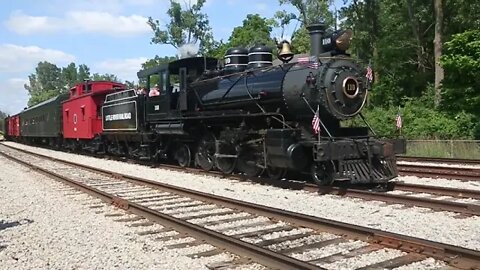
(110, 36)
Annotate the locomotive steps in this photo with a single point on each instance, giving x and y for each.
(256, 225)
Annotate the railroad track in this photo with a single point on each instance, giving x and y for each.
(440, 170)
(455, 161)
(409, 196)
(272, 237)
(466, 174)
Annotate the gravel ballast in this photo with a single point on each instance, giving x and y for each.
(436, 226)
(46, 225)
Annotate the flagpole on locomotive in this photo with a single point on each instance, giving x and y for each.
(398, 122)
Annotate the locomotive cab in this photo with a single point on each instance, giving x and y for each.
(171, 82)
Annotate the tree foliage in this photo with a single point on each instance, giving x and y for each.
(254, 30)
(461, 61)
(397, 39)
(187, 25)
(421, 120)
(307, 12)
(310, 11)
(156, 61)
(105, 77)
(2, 120)
(49, 80)
(45, 83)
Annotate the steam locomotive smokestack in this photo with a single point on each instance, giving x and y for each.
(316, 32)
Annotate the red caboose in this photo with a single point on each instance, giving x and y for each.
(13, 127)
(82, 114)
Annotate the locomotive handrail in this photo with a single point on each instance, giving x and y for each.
(231, 87)
(368, 125)
(261, 108)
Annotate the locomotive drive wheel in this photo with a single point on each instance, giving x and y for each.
(183, 155)
(322, 174)
(226, 164)
(205, 156)
(276, 173)
(250, 162)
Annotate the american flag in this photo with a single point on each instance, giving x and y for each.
(316, 121)
(398, 120)
(310, 61)
(369, 74)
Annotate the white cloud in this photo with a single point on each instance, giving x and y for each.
(106, 23)
(14, 96)
(112, 6)
(85, 21)
(15, 58)
(125, 69)
(25, 24)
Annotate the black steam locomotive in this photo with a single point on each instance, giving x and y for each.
(255, 116)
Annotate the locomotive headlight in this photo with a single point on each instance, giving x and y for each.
(343, 40)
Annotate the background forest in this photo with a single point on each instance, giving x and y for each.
(425, 56)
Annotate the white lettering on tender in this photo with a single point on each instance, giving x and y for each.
(118, 116)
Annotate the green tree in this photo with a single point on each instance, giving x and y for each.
(44, 83)
(307, 12)
(105, 77)
(156, 61)
(438, 47)
(83, 73)
(187, 25)
(461, 61)
(311, 11)
(2, 120)
(69, 75)
(255, 29)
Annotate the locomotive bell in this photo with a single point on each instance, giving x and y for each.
(285, 53)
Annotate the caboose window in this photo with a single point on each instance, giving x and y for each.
(87, 87)
(66, 115)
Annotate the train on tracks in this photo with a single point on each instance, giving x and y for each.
(253, 115)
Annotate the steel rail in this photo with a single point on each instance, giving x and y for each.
(439, 160)
(457, 207)
(261, 255)
(458, 257)
(437, 190)
(469, 174)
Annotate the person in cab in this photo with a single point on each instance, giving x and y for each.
(155, 91)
